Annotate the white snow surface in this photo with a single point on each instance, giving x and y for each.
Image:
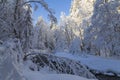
(35, 75)
(98, 64)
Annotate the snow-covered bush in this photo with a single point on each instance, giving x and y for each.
(58, 65)
(11, 60)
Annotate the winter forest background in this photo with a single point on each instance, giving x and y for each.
(89, 34)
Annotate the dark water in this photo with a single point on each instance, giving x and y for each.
(106, 77)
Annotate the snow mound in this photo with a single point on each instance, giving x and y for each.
(59, 65)
(95, 63)
(33, 75)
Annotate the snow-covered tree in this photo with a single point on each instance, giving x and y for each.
(28, 29)
(43, 35)
(69, 27)
(72, 32)
(16, 21)
(103, 34)
(6, 20)
(75, 47)
(60, 40)
(11, 60)
(39, 34)
(81, 10)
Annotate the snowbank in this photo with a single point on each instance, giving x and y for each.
(33, 75)
(99, 64)
(56, 64)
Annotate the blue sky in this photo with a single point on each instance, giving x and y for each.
(57, 5)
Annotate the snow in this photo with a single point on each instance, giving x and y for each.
(99, 64)
(46, 74)
(34, 75)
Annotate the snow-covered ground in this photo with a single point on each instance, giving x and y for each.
(34, 75)
(99, 64)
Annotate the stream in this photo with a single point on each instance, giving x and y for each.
(106, 77)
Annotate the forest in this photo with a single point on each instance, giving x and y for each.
(84, 45)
